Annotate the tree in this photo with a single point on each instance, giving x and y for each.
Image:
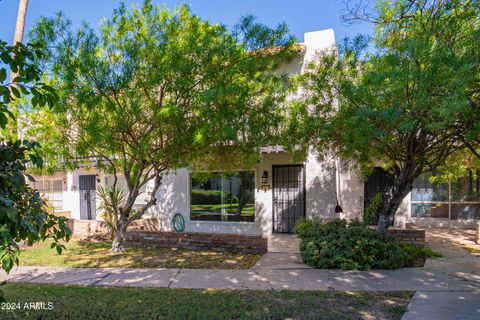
(394, 99)
(23, 215)
(157, 89)
(18, 38)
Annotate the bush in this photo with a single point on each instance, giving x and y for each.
(371, 212)
(212, 197)
(417, 254)
(336, 244)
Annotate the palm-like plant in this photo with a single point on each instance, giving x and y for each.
(112, 200)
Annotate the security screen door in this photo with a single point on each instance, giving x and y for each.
(288, 197)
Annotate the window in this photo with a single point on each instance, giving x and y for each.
(217, 196)
(51, 190)
(457, 200)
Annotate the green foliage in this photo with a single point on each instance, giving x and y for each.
(370, 214)
(155, 90)
(20, 59)
(397, 98)
(418, 254)
(23, 214)
(336, 244)
(112, 199)
(212, 197)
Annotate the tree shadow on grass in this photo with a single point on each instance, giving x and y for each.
(90, 254)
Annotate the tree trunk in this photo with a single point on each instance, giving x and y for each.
(402, 185)
(20, 26)
(17, 38)
(125, 217)
(388, 209)
(118, 240)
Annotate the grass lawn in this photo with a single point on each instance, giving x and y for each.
(75, 302)
(95, 254)
(248, 209)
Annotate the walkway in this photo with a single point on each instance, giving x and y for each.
(283, 253)
(446, 288)
(456, 262)
(414, 279)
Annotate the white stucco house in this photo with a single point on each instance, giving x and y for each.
(276, 193)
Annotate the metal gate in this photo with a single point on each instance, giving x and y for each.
(288, 197)
(379, 181)
(87, 197)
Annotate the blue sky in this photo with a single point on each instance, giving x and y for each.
(300, 15)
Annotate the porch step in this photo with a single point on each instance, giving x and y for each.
(285, 243)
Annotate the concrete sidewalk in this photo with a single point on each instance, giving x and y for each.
(413, 279)
(446, 288)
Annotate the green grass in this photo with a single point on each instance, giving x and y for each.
(75, 302)
(247, 210)
(96, 254)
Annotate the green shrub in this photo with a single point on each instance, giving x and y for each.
(212, 197)
(336, 244)
(418, 254)
(371, 212)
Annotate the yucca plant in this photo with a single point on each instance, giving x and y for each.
(112, 200)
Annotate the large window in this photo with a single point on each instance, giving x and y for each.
(457, 200)
(217, 196)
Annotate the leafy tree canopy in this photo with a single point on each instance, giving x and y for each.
(23, 214)
(396, 99)
(155, 90)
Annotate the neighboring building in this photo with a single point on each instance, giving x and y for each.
(276, 193)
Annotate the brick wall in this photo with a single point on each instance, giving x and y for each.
(411, 236)
(199, 241)
(146, 231)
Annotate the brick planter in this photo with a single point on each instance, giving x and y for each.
(411, 236)
(199, 241)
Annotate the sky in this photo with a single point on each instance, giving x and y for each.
(300, 15)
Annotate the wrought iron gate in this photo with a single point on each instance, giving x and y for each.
(288, 197)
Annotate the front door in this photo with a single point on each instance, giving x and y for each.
(288, 197)
(87, 197)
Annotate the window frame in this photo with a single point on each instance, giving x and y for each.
(449, 203)
(222, 221)
(50, 193)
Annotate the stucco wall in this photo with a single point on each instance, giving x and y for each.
(351, 189)
(174, 197)
(320, 184)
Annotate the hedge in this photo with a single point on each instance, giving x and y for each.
(212, 197)
(338, 244)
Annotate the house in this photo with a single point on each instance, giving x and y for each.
(276, 193)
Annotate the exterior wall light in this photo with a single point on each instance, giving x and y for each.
(265, 177)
